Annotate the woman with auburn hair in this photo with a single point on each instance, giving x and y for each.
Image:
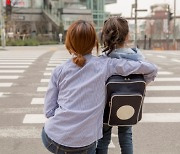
(75, 99)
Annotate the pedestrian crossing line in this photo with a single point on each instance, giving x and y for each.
(159, 56)
(55, 62)
(1, 94)
(148, 88)
(160, 117)
(111, 145)
(162, 100)
(148, 54)
(34, 119)
(175, 60)
(47, 74)
(164, 73)
(6, 84)
(9, 77)
(59, 59)
(42, 89)
(20, 132)
(114, 135)
(45, 80)
(146, 117)
(53, 65)
(18, 63)
(16, 60)
(50, 68)
(14, 66)
(11, 71)
(37, 101)
(167, 79)
(162, 88)
(146, 100)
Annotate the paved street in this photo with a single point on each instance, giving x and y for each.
(24, 76)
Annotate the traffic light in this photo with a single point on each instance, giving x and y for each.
(170, 16)
(8, 7)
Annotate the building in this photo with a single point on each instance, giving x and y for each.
(51, 17)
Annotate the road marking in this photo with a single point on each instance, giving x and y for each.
(16, 63)
(6, 84)
(146, 100)
(52, 65)
(42, 89)
(20, 132)
(47, 74)
(164, 73)
(146, 117)
(9, 77)
(37, 101)
(162, 100)
(34, 119)
(111, 145)
(176, 60)
(148, 54)
(1, 94)
(167, 79)
(160, 117)
(114, 135)
(45, 80)
(159, 56)
(162, 88)
(11, 71)
(16, 60)
(14, 66)
(50, 68)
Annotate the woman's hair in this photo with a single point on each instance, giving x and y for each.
(115, 31)
(80, 40)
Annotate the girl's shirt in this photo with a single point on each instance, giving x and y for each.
(127, 53)
(75, 99)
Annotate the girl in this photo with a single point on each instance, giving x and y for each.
(75, 99)
(115, 36)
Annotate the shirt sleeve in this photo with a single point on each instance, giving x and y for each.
(50, 102)
(126, 67)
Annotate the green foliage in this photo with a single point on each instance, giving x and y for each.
(29, 42)
(26, 42)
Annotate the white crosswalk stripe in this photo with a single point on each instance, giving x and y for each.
(167, 79)
(176, 60)
(164, 73)
(162, 100)
(6, 66)
(37, 101)
(11, 71)
(9, 77)
(162, 88)
(6, 84)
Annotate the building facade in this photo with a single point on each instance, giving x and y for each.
(51, 17)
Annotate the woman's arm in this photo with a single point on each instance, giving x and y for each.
(51, 97)
(126, 67)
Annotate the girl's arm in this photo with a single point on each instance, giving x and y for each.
(126, 67)
(51, 97)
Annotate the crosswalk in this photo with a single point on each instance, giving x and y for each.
(13, 69)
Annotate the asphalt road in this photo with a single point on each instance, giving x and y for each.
(24, 75)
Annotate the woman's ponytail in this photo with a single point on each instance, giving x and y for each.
(79, 60)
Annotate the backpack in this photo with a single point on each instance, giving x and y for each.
(124, 100)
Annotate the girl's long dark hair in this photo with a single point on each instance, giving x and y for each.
(114, 32)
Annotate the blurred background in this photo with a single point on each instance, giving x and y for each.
(153, 24)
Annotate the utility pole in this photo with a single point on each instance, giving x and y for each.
(135, 36)
(3, 40)
(174, 29)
